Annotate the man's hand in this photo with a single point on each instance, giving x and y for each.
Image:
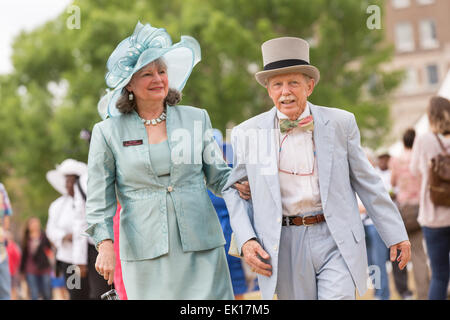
(106, 261)
(252, 252)
(244, 189)
(405, 253)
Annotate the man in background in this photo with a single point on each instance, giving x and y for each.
(400, 276)
(407, 195)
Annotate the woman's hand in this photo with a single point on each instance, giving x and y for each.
(106, 261)
(244, 189)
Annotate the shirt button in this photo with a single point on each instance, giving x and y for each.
(275, 248)
(169, 188)
(279, 220)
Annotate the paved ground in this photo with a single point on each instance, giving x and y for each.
(367, 296)
(59, 295)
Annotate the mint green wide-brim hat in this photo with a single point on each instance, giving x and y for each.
(145, 45)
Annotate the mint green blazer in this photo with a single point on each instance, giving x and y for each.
(119, 165)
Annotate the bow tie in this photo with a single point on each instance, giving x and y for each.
(304, 124)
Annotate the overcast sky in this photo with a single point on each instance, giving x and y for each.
(17, 15)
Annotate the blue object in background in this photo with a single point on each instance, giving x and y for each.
(58, 282)
(234, 264)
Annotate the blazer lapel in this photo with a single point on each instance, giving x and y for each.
(267, 123)
(323, 139)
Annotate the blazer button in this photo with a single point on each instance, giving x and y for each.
(169, 188)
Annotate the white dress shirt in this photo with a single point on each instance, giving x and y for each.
(299, 194)
(66, 216)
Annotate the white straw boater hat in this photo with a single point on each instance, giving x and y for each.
(68, 167)
(286, 55)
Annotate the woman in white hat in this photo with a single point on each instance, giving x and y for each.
(159, 159)
(65, 218)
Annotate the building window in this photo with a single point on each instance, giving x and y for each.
(404, 37)
(432, 73)
(398, 4)
(428, 36)
(411, 80)
(424, 2)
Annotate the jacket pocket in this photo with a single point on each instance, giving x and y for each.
(357, 233)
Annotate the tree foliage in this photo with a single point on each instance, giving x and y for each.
(39, 130)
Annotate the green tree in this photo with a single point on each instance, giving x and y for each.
(42, 131)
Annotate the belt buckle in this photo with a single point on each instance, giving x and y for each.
(304, 221)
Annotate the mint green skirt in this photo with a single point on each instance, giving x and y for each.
(177, 275)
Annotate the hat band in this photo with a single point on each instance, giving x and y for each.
(285, 63)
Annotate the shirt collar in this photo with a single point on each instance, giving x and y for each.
(304, 114)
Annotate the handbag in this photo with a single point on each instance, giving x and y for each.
(439, 182)
(233, 250)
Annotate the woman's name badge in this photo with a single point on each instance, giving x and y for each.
(131, 143)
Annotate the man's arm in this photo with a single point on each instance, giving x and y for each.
(370, 188)
(241, 215)
(240, 210)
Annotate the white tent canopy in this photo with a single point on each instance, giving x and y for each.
(422, 125)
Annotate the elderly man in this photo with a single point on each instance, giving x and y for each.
(302, 232)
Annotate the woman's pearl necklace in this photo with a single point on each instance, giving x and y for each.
(155, 121)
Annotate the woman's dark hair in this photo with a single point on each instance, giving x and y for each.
(39, 257)
(408, 138)
(125, 105)
(439, 115)
(26, 234)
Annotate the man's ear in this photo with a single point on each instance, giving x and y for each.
(268, 88)
(311, 86)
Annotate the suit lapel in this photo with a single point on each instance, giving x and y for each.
(267, 123)
(323, 139)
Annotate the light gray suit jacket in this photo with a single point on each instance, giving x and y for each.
(343, 170)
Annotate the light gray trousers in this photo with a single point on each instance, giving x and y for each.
(310, 266)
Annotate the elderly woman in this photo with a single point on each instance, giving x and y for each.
(160, 159)
(434, 219)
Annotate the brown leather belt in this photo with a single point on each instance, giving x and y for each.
(303, 221)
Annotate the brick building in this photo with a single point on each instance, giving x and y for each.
(420, 32)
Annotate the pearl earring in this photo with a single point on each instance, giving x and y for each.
(130, 96)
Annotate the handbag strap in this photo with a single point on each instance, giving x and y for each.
(441, 144)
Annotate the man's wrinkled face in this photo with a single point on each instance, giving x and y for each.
(289, 92)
